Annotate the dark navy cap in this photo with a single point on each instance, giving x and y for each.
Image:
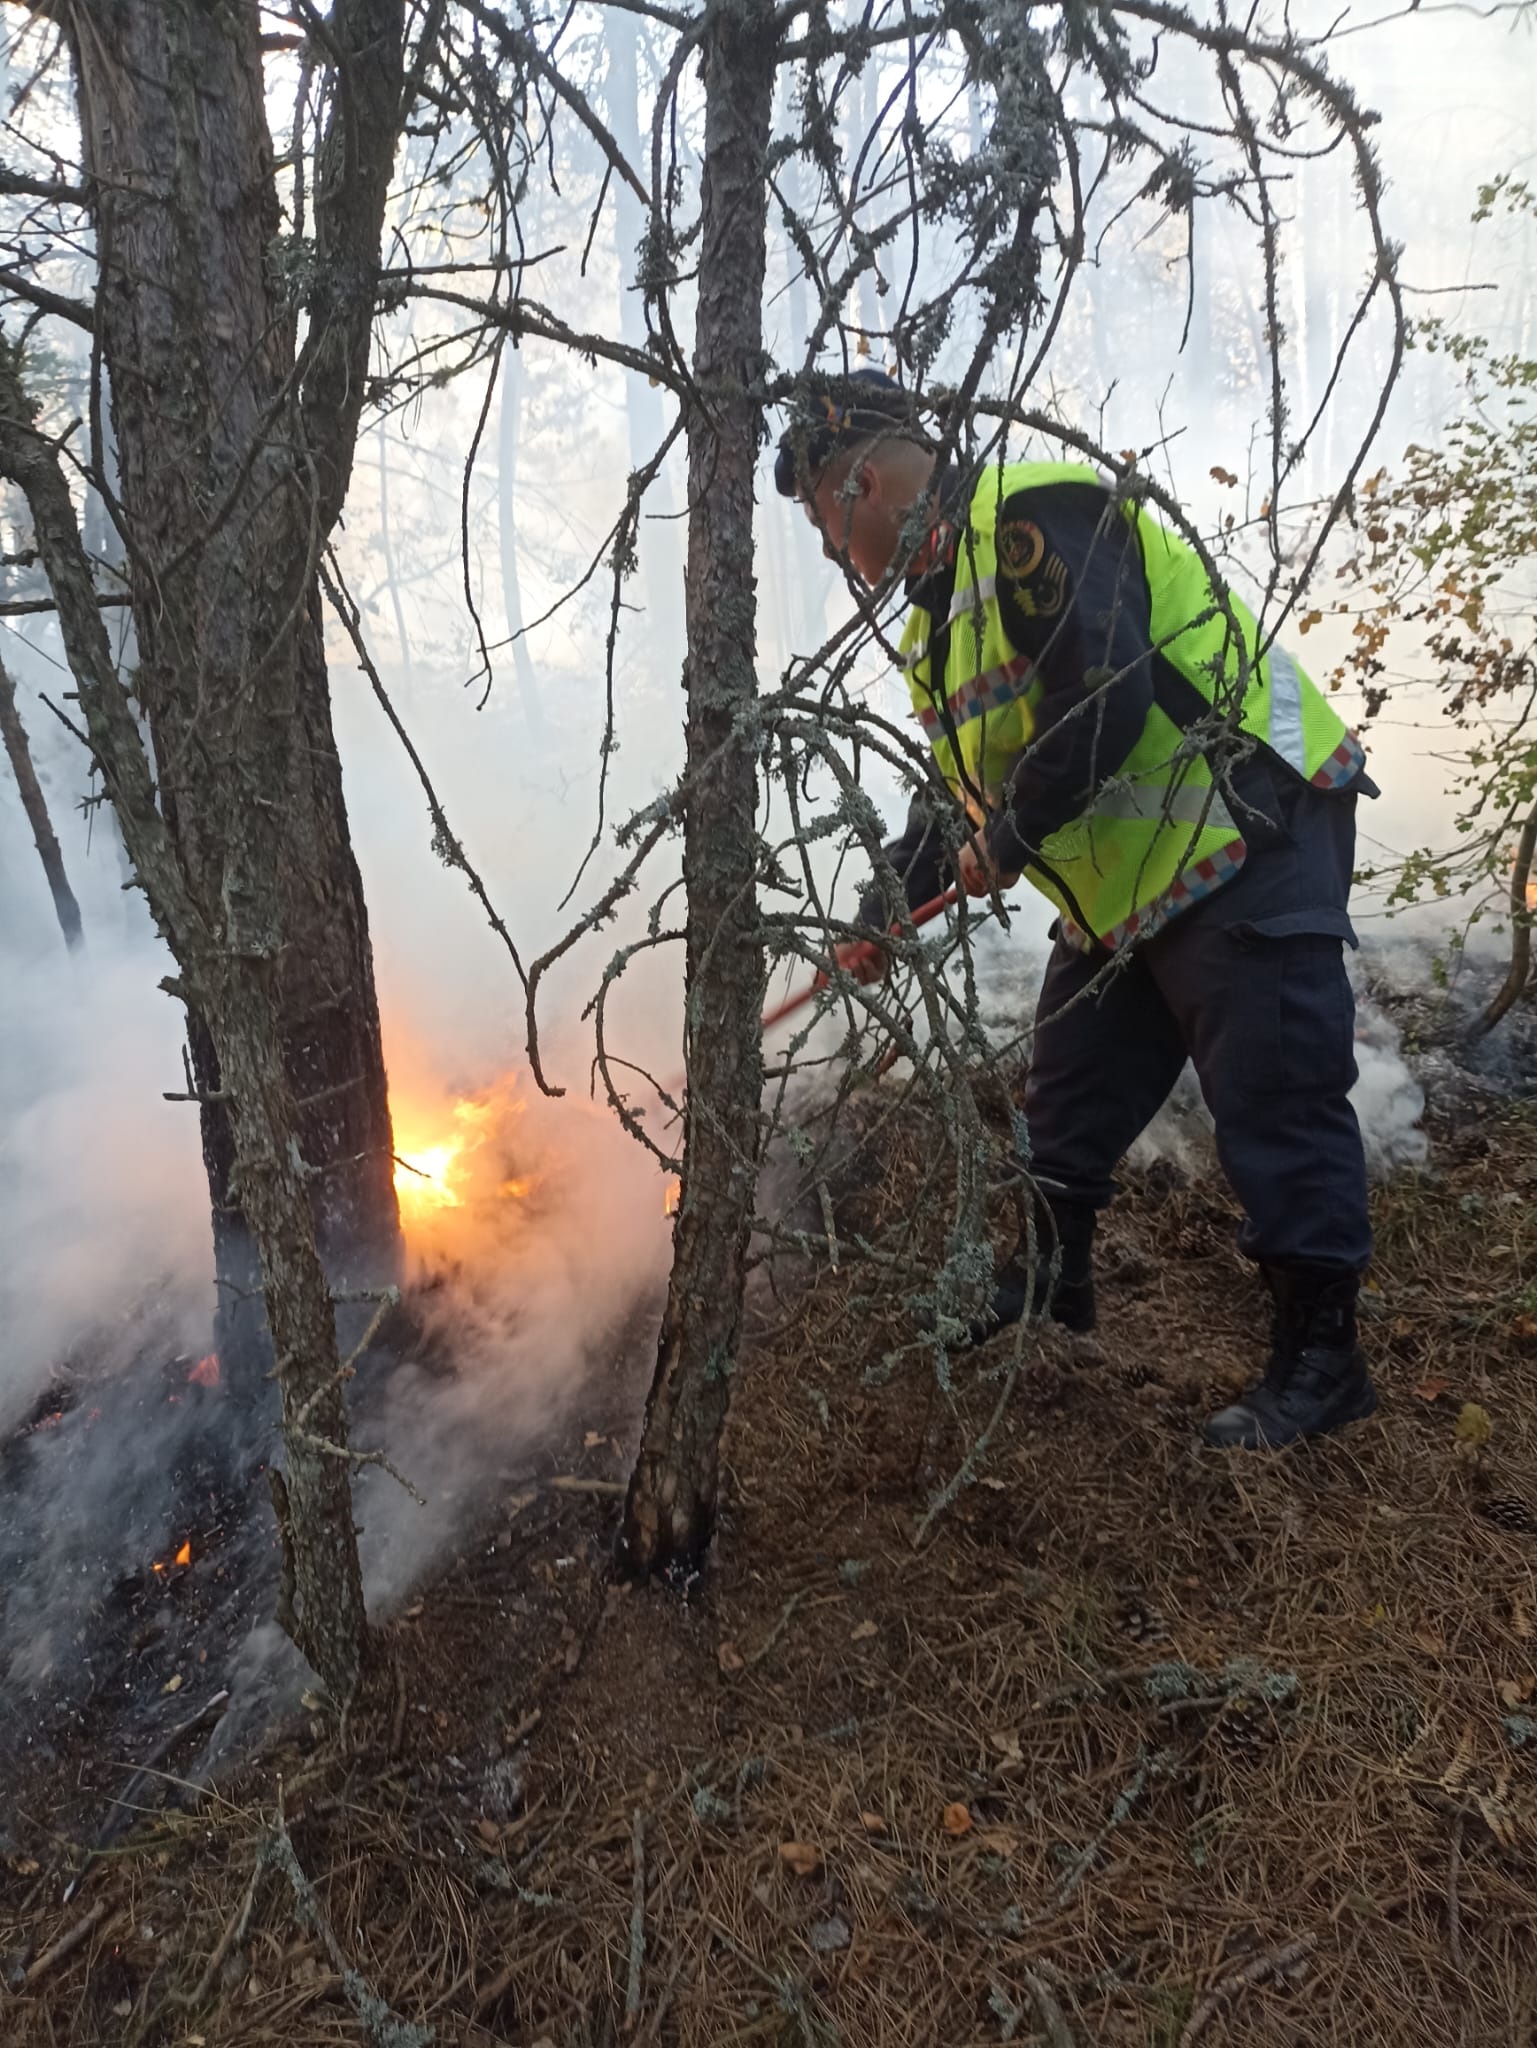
(829, 413)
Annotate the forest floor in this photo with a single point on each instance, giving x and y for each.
(1140, 1744)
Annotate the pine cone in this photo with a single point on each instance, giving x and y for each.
(1244, 1727)
(1510, 1513)
(1142, 1623)
(1138, 1372)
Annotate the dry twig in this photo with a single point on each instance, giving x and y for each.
(65, 1946)
(1274, 1962)
(633, 1982)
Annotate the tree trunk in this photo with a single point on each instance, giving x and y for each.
(506, 505)
(35, 804)
(233, 463)
(1519, 971)
(234, 451)
(645, 411)
(231, 969)
(671, 1508)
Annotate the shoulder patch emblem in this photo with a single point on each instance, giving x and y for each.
(1021, 545)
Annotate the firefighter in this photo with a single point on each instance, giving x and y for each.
(1064, 650)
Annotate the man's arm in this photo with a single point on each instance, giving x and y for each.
(1075, 599)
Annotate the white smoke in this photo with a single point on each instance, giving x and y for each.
(537, 1299)
(102, 1193)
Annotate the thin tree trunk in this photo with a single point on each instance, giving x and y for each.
(506, 503)
(35, 804)
(645, 411)
(671, 1508)
(387, 546)
(1519, 971)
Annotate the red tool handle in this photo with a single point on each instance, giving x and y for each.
(799, 1000)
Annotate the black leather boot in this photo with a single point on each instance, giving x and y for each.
(1061, 1227)
(1316, 1380)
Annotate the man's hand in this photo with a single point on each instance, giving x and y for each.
(978, 872)
(864, 961)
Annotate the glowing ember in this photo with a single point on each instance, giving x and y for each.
(182, 1558)
(673, 1197)
(206, 1372)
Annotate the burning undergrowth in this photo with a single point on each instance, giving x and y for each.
(138, 1558)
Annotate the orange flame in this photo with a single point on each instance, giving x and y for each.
(455, 1156)
(431, 1167)
(672, 1197)
(184, 1555)
(206, 1372)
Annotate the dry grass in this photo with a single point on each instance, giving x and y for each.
(1237, 1741)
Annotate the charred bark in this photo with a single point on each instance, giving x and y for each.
(35, 804)
(671, 1508)
(233, 450)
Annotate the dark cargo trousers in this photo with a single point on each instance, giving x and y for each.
(1265, 1011)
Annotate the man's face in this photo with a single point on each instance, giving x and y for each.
(848, 509)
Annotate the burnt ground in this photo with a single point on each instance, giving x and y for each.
(1138, 1745)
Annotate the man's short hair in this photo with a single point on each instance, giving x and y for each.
(831, 414)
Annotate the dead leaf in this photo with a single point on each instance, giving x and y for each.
(1456, 1772)
(801, 1859)
(488, 1831)
(1496, 1819)
(1430, 1642)
(1515, 1692)
(593, 1438)
(1430, 1390)
(1377, 533)
(1473, 1426)
(1006, 1742)
(173, 1684)
(998, 1842)
(863, 1633)
(730, 1658)
(1225, 477)
(1520, 1620)
(956, 1818)
(1524, 1327)
(873, 1823)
